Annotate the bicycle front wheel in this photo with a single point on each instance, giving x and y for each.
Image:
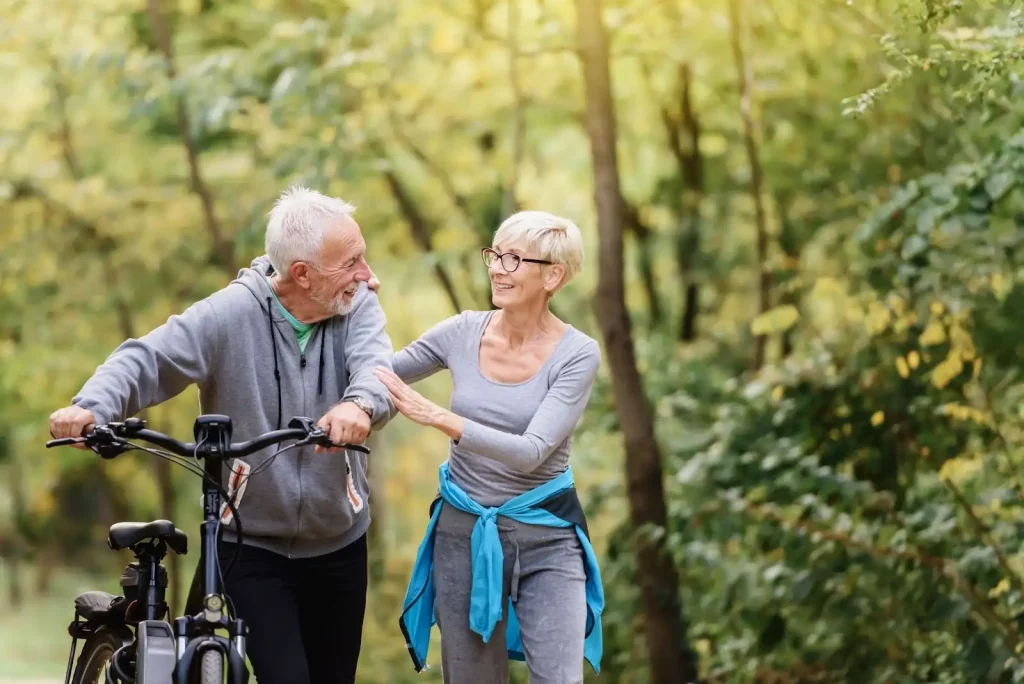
(211, 669)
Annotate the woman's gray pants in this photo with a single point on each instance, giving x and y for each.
(545, 578)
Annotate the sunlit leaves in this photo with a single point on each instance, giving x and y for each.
(877, 318)
(777, 320)
(975, 58)
(934, 333)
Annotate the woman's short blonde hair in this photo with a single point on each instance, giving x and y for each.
(552, 238)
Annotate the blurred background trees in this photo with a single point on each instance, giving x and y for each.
(820, 210)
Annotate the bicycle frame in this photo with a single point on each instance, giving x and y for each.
(197, 633)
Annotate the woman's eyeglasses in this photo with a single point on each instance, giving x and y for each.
(509, 261)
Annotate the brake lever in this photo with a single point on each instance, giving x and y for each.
(106, 442)
(318, 437)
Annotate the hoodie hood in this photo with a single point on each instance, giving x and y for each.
(256, 279)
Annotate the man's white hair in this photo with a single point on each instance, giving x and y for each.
(552, 238)
(295, 230)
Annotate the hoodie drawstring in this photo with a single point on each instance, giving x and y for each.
(320, 378)
(277, 371)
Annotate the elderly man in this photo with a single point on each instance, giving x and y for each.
(296, 334)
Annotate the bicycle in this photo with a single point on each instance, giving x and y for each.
(154, 653)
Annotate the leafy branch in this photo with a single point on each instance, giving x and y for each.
(941, 566)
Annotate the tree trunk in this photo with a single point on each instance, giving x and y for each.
(223, 250)
(421, 232)
(691, 166)
(691, 308)
(683, 137)
(756, 180)
(470, 259)
(66, 143)
(789, 243)
(671, 658)
(645, 248)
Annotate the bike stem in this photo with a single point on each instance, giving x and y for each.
(208, 528)
(213, 438)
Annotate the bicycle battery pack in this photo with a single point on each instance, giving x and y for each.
(155, 653)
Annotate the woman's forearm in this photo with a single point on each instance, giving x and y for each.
(449, 423)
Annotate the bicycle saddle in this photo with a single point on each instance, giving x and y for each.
(124, 535)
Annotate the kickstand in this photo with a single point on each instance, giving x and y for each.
(74, 646)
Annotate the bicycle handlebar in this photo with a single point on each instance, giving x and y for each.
(187, 449)
(110, 439)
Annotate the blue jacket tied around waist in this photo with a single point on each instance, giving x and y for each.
(554, 504)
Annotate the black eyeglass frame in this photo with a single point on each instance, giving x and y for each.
(498, 256)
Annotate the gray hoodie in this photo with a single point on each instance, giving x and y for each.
(241, 352)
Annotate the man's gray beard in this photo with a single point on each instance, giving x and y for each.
(338, 305)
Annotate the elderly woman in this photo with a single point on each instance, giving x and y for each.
(506, 549)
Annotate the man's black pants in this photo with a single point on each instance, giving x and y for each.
(305, 615)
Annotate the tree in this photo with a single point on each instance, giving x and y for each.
(670, 654)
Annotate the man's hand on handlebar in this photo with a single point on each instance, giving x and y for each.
(72, 421)
(346, 423)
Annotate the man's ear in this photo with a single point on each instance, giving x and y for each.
(301, 273)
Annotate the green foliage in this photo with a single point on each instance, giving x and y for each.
(816, 509)
(851, 513)
(972, 47)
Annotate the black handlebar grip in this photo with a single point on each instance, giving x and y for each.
(64, 441)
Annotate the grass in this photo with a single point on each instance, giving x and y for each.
(34, 643)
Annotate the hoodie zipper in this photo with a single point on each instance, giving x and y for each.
(305, 411)
(305, 407)
(298, 518)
